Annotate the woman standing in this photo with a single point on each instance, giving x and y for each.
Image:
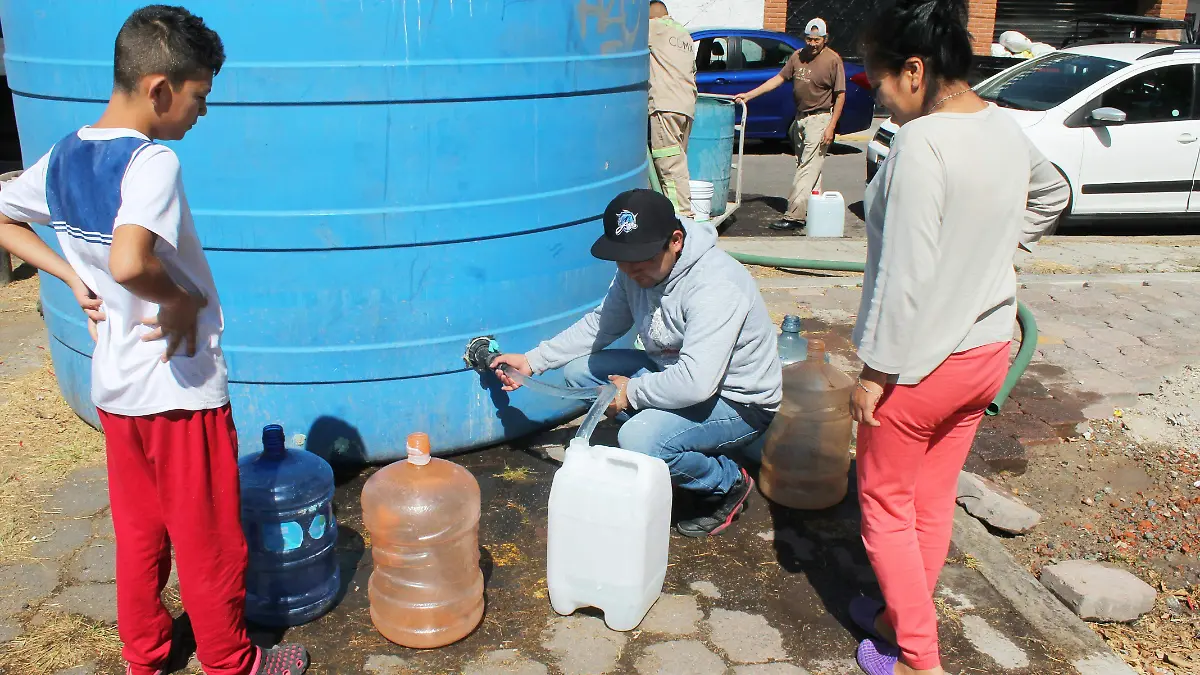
(961, 190)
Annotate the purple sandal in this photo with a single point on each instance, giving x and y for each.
(877, 658)
(282, 660)
(863, 612)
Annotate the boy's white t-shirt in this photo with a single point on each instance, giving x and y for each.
(128, 375)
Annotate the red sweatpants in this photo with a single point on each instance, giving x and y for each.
(173, 481)
(907, 485)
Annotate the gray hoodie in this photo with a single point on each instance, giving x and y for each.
(706, 327)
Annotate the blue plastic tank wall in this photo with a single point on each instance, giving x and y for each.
(710, 148)
(376, 182)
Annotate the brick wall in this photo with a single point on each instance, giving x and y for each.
(775, 15)
(1167, 9)
(982, 24)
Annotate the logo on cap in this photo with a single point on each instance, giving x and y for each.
(626, 222)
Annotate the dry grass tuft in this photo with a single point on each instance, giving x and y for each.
(41, 441)
(60, 642)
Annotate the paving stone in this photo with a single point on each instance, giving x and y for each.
(102, 526)
(59, 538)
(685, 657)
(9, 631)
(745, 638)
(995, 644)
(1097, 592)
(1028, 388)
(991, 504)
(706, 588)
(384, 664)
(88, 668)
(95, 601)
(1104, 663)
(1060, 416)
(770, 669)
(505, 662)
(96, 563)
(84, 493)
(25, 584)
(583, 645)
(675, 615)
(995, 450)
(1103, 382)
(1060, 329)
(1115, 337)
(836, 667)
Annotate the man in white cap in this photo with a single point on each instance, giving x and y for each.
(819, 86)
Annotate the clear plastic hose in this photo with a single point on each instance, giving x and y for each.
(603, 396)
(594, 414)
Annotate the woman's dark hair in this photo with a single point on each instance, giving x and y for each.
(164, 40)
(933, 30)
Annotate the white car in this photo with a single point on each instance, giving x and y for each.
(1121, 122)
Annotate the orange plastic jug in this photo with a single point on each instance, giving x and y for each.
(806, 454)
(422, 513)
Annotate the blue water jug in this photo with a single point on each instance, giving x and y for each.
(287, 515)
(793, 346)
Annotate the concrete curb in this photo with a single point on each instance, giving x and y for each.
(1079, 645)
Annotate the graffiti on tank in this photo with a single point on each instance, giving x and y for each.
(605, 15)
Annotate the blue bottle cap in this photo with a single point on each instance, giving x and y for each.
(272, 440)
(791, 324)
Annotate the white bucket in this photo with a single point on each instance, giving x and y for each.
(702, 194)
(826, 215)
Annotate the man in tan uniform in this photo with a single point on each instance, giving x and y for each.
(819, 86)
(672, 104)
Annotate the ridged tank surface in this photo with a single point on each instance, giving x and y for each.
(377, 181)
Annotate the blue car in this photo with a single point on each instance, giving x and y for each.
(734, 61)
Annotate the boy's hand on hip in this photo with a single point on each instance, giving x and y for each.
(176, 321)
(90, 304)
(621, 402)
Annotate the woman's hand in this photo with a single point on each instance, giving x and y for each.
(867, 393)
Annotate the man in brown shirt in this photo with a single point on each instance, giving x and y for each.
(672, 104)
(819, 86)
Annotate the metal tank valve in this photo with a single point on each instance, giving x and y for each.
(481, 351)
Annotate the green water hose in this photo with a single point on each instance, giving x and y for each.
(1029, 331)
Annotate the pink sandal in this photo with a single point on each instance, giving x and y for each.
(282, 660)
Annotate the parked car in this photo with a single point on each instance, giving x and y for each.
(734, 61)
(1121, 122)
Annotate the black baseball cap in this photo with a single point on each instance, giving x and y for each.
(637, 225)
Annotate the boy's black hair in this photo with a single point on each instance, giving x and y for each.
(660, 2)
(934, 30)
(161, 39)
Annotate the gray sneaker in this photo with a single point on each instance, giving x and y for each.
(726, 511)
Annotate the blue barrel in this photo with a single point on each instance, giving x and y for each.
(376, 182)
(287, 515)
(710, 148)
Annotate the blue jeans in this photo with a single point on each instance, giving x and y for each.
(692, 441)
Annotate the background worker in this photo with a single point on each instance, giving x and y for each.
(672, 104)
(819, 86)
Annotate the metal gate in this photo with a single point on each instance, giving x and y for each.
(845, 18)
(1053, 21)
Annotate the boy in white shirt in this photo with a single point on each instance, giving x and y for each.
(116, 201)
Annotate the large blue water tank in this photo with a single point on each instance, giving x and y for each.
(377, 181)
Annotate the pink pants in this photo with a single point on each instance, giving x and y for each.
(908, 481)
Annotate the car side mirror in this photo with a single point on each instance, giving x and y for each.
(1105, 117)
